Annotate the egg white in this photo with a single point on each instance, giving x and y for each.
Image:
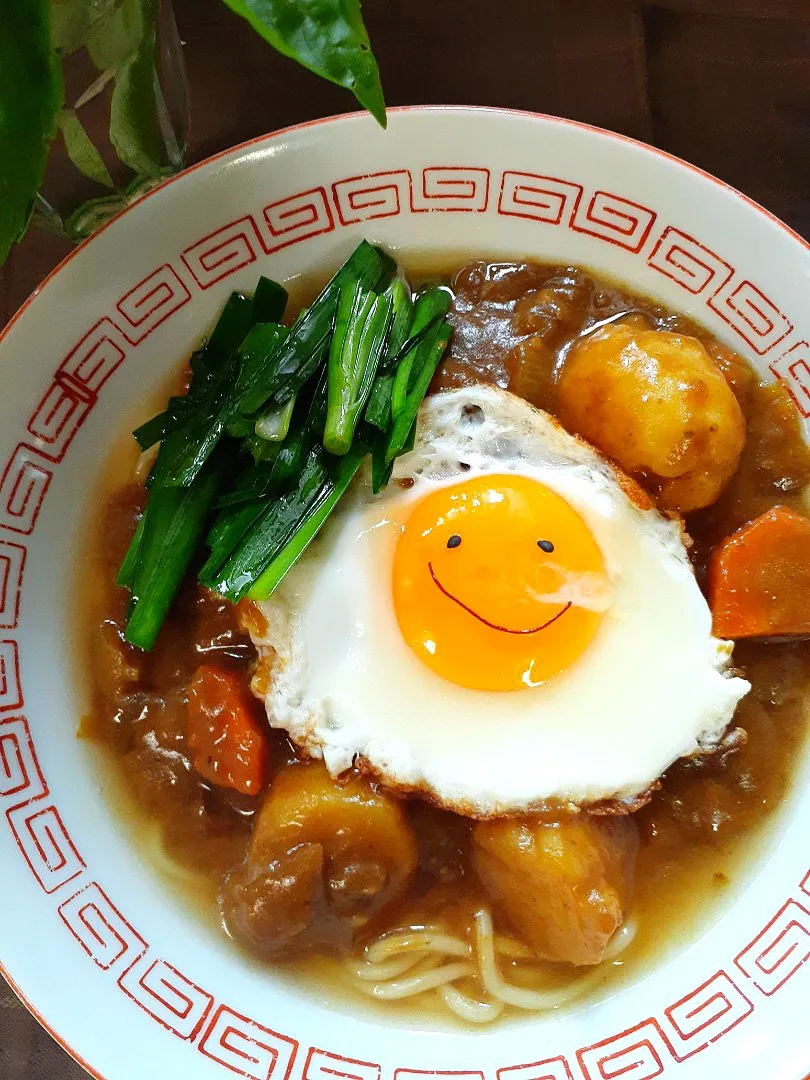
(653, 686)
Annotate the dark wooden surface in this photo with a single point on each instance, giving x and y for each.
(723, 83)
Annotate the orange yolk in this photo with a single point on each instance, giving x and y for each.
(490, 577)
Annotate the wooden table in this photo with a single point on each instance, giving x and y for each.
(722, 83)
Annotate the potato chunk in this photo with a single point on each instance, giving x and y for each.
(325, 856)
(656, 403)
(564, 885)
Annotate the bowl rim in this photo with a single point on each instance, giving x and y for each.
(358, 114)
(241, 148)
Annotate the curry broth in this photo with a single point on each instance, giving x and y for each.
(702, 831)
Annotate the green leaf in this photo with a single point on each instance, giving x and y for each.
(31, 94)
(74, 20)
(117, 36)
(326, 36)
(81, 150)
(127, 42)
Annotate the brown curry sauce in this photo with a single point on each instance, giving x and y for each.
(514, 324)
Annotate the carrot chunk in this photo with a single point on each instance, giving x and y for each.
(230, 748)
(759, 577)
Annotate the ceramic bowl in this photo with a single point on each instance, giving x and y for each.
(122, 975)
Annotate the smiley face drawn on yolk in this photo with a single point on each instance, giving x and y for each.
(498, 583)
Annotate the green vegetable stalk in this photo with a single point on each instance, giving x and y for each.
(274, 428)
(362, 325)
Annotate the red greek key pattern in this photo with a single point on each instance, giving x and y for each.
(247, 1048)
(416, 1074)
(12, 567)
(778, 951)
(296, 218)
(101, 929)
(453, 188)
(538, 198)
(751, 315)
(688, 263)
(793, 371)
(90, 363)
(44, 842)
(10, 688)
(151, 302)
(167, 996)
(551, 1069)
(23, 487)
(20, 775)
(238, 1043)
(321, 1065)
(639, 1053)
(223, 252)
(614, 219)
(378, 195)
(58, 417)
(700, 1018)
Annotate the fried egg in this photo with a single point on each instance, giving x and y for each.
(509, 625)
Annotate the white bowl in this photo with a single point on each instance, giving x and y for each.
(126, 979)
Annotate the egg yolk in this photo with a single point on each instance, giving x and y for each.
(498, 583)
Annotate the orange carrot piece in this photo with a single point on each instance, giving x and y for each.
(759, 577)
(230, 747)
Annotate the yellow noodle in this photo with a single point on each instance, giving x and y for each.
(386, 969)
(473, 1010)
(512, 949)
(407, 939)
(410, 961)
(621, 939)
(509, 994)
(411, 985)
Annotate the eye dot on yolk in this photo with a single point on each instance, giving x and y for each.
(498, 583)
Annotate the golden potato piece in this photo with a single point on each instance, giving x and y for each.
(325, 856)
(564, 885)
(656, 403)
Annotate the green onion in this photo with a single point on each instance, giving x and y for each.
(292, 551)
(362, 354)
(251, 484)
(269, 301)
(261, 449)
(380, 468)
(230, 329)
(432, 350)
(227, 335)
(127, 569)
(187, 447)
(273, 424)
(378, 410)
(230, 527)
(362, 324)
(403, 313)
(273, 530)
(255, 353)
(173, 526)
(308, 342)
(304, 434)
(430, 304)
(153, 430)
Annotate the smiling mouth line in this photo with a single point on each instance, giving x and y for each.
(486, 622)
